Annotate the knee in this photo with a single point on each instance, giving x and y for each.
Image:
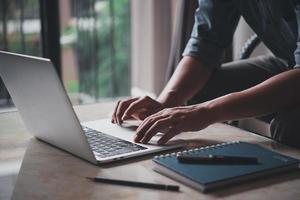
(285, 127)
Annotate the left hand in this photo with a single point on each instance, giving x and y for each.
(173, 121)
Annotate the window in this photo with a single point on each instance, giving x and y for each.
(95, 39)
(94, 44)
(20, 27)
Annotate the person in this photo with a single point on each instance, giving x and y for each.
(236, 90)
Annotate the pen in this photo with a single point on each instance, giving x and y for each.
(135, 184)
(216, 159)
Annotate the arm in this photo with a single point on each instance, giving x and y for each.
(188, 78)
(215, 23)
(276, 93)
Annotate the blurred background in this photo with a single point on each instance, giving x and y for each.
(94, 43)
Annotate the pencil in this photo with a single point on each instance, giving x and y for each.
(135, 184)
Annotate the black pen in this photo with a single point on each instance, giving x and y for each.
(216, 159)
(135, 184)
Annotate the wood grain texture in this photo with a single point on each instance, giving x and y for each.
(49, 173)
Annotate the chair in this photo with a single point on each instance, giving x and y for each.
(259, 124)
(249, 47)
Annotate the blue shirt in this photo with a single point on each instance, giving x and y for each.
(274, 21)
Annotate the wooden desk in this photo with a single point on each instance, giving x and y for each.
(49, 173)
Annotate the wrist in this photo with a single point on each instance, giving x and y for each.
(169, 99)
(214, 111)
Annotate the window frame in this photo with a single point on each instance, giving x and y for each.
(50, 33)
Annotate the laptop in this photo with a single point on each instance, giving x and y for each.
(47, 112)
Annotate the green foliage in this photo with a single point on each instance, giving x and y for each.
(102, 47)
(72, 86)
(32, 44)
(103, 50)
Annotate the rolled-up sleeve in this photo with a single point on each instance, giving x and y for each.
(297, 51)
(215, 23)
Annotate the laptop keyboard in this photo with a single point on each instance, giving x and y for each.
(105, 145)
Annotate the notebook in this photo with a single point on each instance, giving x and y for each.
(207, 177)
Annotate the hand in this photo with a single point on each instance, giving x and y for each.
(173, 121)
(137, 108)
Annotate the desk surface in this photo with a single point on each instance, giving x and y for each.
(49, 173)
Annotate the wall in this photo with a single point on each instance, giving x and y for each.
(152, 23)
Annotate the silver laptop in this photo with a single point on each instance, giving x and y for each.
(47, 112)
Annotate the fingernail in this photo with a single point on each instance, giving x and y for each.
(136, 139)
(124, 117)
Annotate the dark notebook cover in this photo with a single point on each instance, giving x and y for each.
(211, 176)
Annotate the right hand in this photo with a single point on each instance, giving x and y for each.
(137, 108)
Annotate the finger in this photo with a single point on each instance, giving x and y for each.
(137, 105)
(155, 128)
(138, 115)
(150, 119)
(146, 124)
(147, 113)
(114, 114)
(142, 114)
(170, 134)
(123, 105)
(165, 112)
(154, 117)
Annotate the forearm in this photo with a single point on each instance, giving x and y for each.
(189, 77)
(274, 94)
